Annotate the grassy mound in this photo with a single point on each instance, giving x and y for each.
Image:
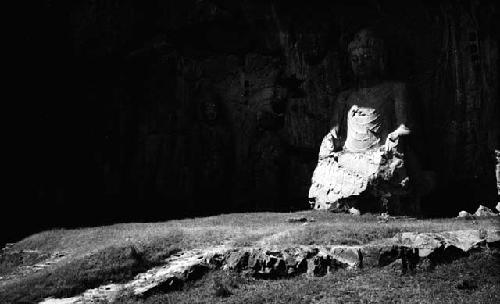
(110, 264)
(116, 253)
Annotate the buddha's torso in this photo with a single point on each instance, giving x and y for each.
(370, 117)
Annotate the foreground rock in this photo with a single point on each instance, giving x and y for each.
(179, 268)
(465, 215)
(297, 220)
(411, 248)
(484, 211)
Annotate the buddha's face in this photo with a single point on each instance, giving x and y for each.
(366, 63)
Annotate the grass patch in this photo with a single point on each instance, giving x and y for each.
(242, 230)
(10, 262)
(110, 264)
(99, 255)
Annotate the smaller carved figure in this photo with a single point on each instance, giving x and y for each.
(268, 159)
(212, 157)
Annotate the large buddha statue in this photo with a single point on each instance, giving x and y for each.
(362, 156)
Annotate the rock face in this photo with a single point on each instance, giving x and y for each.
(484, 211)
(276, 90)
(144, 69)
(185, 266)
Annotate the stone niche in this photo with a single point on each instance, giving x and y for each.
(364, 154)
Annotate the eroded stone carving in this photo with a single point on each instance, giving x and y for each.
(362, 154)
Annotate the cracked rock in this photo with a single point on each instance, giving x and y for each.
(484, 211)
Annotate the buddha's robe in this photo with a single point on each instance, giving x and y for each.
(368, 160)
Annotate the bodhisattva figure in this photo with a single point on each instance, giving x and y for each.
(212, 157)
(361, 157)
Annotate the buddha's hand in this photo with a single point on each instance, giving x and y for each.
(391, 142)
(393, 136)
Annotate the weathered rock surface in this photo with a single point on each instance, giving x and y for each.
(354, 211)
(442, 245)
(413, 249)
(493, 238)
(273, 56)
(297, 220)
(498, 207)
(465, 215)
(347, 175)
(177, 269)
(484, 211)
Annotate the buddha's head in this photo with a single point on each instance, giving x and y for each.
(366, 53)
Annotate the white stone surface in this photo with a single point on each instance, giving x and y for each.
(464, 214)
(484, 211)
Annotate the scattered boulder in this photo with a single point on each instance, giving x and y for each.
(275, 266)
(300, 220)
(445, 244)
(464, 240)
(346, 257)
(237, 260)
(255, 260)
(465, 215)
(279, 263)
(319, 265)
(354, 211)
(426, 243)
(484, 211)
(295, 260)
(383, 217)
(297, 220)
(493, 238)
